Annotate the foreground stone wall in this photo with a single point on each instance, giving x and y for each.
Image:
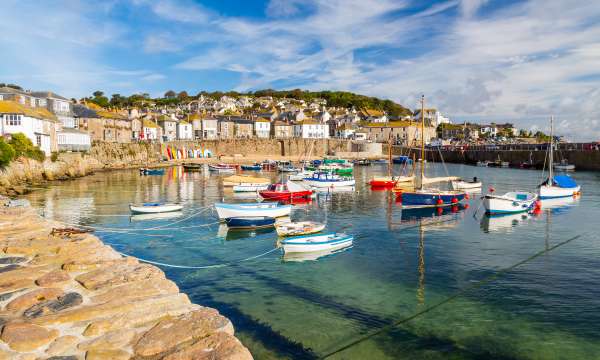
(72, 297)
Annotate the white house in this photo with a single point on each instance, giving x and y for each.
(262, 128)
(345, 131)
(150, 131)
(210, 129)
(489, 130)
(324, 116)
(185, 131)
(311, 129)
(70, 139)
(38, 125)
(433, 116)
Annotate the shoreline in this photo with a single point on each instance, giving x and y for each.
(71, 295)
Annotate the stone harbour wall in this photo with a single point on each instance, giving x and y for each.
(71, 297)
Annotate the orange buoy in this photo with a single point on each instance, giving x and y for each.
(440, 211)
(454, 200)
(466, 206)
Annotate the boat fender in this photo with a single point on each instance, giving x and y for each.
(440, 202)
(454, 200)
(537, 204)
(467, 196)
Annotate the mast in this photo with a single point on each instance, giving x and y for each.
(422, 141)
(551, 160)
(390, 155)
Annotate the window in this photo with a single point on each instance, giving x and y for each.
(13, 120)
(38, 140)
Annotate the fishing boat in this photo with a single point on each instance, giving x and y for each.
(403, 159)
(509, 203)
(363, 162)
(153, 208)
(242, 179)
(426, 197)
(285, 191)
(300, 176)
(226, 210)
(222, 168)
(287, 168)
(298, 228)
(466, 185)
(314, 243)
(250, 187)
(336, 168)
(557, 186)
(564, 165)
(249, 222)
(255, 167)
(327, 180)
(146, 171)
(192, 167)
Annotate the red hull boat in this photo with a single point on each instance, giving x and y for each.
(287, 191)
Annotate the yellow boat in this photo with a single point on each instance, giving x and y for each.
(244, 180)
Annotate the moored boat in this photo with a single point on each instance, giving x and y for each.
(222, 168)
(564, 165)
(466, 185)
(146, 171)
(298, 228)
(250, 187)
(255, 167)
(192, 167)
(403, 159)
(287, 191)
(324, 179)
(390, 181)
(314, 243)
(509, 203)
(153, 208)
(250, 222)
(226, 210)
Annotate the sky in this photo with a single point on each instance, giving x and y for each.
(474, 60)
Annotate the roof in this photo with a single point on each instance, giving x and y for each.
(10, 90)
(372, 112)
(394, 124)
(166, 118)
(12, 107)
(149, 124)
(71, 131)
(84, 112)
(105, 113)
(281, 123)
(48, 94)
(308, 121)
(262, 119)
(183, 122)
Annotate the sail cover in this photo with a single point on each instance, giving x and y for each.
(564, 181)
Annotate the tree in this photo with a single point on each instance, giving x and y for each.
(170, 94)
(24, 147)
(183, 95)
(98, 93)
(7, 153)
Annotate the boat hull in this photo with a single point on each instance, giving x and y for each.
(465, 185)
(497, 205)
(317, 243)
(249, 187)
(284, 195)
(154, 208)
(298, 228)
(251, 167)
(555, 192)
(238, 210)
(431, 199)
(255, 222)
(330, 184)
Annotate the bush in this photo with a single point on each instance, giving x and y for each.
(24, 147)
(7, 153)
(54, 156)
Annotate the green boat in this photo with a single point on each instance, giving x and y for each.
(339, 170)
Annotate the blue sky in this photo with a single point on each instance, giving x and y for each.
(475, 60)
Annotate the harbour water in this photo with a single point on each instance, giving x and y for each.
(454, 284)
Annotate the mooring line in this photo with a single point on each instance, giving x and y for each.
(448, 299)
(200, 267)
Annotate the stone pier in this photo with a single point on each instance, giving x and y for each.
(69, 296)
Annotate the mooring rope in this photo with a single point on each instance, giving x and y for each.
(200, 267)
(448, 299)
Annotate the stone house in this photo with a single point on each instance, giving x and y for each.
(169, 127)
(226, 129)
(405, 133)
(244, 128)
(282, 130)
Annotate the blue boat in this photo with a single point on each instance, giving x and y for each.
(250, 222)
(429, 198)
(402, 160)
(254, 167)
(152, 171)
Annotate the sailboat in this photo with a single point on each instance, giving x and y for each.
(389, 180)
(427, 197)
(558, 186)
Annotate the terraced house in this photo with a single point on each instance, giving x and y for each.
(37, 123)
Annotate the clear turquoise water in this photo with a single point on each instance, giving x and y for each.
(401, 267)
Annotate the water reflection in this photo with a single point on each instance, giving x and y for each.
(502, 223)
(312, 256)
(158, 216)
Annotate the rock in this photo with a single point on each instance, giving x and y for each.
(31, 298)
(18, 284)
(113, 340)
(138, 289)
(67, 357)
(117, 275)
(20, 190)
(53, 306)
(27, 337)
(8, 295)
(10, 267)
(62, 345)
(98, 354)
(52, 278)
(171, 332)
(220, 346)
(12, 260)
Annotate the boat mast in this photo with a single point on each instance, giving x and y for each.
(422, 141)
(390, 155)
(551, 160)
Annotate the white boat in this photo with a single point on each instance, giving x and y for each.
(311, 256)
(503, 223)
(243, 179)
(483, 163)
(155, 216)
(466, 185)
(559, 186)
(154, 208)
(300, 176)
(328, 180)
(509, 203)
(222, 168)
(250, 187)
(312, 243)
(225, 210)
(298, 228)
(563, 165)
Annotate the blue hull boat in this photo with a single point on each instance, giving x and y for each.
(152, 171)
(402, 160)
(254, 167)
(428, 199)
(250, 222)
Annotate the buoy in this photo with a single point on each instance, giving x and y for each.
(466, 206)
(491, 189)
(538, 205)
(440, 201)
(454, 200)
(454, 208)
(467, 196)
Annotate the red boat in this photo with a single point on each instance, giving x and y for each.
(287, 191)
(382, 182)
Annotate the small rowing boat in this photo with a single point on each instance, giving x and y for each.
(250, 187)
(312, 243)
(222, 168)
(509, 203)
(153, 208)
(255, 167)
(327, 180)
(250, 222)
(466, 185)
(146, 171)
(298, 228)
(192, 167)
(273, 210)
